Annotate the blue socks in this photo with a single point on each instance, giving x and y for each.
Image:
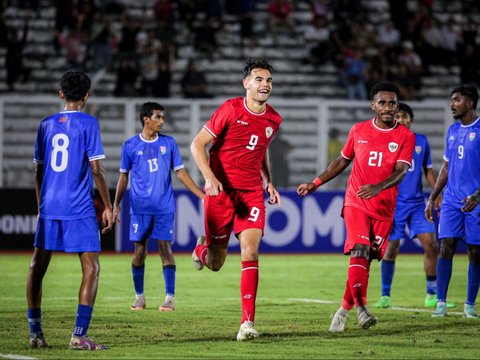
(35, 320)
(388, 270)
(84, 315)
(169, 276)
(472, 283)
(431, 285)
(444, 273)
(138, 273)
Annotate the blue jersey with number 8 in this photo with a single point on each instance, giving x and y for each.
(66, 143)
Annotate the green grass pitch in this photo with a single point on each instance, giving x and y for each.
(297, 296)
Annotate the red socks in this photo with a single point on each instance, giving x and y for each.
(201, 251)
(347, 302)
(248, 289)
(358, 280)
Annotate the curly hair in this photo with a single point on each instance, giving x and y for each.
(74, 85)
(256, 63)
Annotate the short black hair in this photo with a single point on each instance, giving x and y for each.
(74, 85)
(402, 107)
(148, 108)
(384, 86)
(253, 63)
(467, 90)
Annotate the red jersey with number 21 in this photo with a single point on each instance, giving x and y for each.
(375, 152)
(241, 138)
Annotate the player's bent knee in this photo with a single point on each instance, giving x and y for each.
(360, 250)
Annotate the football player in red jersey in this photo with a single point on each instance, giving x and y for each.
(236, 176)
(381, 151)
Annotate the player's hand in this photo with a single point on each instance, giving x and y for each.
(470, 202)
(107, 220)
(274, 195)
(306, 188)
(116, 214)
(368, 191)
(429, 210)
(213, 187)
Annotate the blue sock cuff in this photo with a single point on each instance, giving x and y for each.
(84, 310)
(34, 313)
(174, 267)
(137, 268)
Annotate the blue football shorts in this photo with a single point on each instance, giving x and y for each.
(411, 215)
(454, 223)
(77, 235)
(158, 227)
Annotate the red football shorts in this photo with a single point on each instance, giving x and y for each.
(363, 229)
(233, 209)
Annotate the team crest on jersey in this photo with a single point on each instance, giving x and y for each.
(418, 149)
(63, 119)
(163, 149)
(392, 147)
(471, 136)
(268, 131)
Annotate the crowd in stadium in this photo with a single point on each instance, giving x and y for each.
(139, 42)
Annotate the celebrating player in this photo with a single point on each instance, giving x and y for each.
(235, 179)
(150, 157)
(460, 175)
(381, 151)
(68, 153)
(410, 212)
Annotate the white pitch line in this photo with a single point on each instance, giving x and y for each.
(16, 357)
(399, 308)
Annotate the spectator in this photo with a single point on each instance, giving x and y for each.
(194, 84)
(74, 43)
(431, 51)
(14, 58)
(205, 37)
(354, 75)
(129, 31)
(280, 13)
(389, 38)
(450, 40)
(127, 74)
(317, 39)
(101, 50)
(412, 62)
(468, 61)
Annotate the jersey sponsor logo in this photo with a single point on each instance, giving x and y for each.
(392, 147)
(242, 122)
(219, 236)
(63, 119)
(471, 136)
(451, 137)
(418, 149)
(140, 152)
(363, 141)
(163, 149)
(268, 131)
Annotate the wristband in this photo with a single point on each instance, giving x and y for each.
(317, 182)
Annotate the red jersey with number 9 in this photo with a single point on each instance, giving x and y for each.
(241, 138)
(375, 152)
